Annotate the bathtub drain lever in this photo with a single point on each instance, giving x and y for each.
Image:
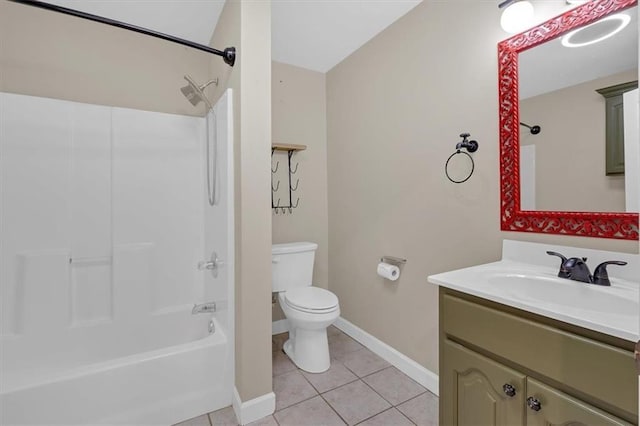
(204, 308)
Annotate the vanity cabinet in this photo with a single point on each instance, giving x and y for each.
(503, 366)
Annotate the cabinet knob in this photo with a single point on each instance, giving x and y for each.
(534, 404)
(509, 390)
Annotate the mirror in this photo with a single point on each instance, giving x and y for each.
(556, 141)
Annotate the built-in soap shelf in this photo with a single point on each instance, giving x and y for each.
(277, 204)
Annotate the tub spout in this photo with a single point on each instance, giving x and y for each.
(204, 308)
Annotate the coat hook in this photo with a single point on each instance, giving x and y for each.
(276, 169)
(293, 172)
(276, 188)
(296, 188)
(297, 201)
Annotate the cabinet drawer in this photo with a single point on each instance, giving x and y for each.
(595, 369)
(557, 408)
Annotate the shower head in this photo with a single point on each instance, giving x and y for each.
(194, 93)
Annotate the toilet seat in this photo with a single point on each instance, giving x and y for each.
(313, 300)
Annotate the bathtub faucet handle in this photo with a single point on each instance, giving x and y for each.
(212, 265)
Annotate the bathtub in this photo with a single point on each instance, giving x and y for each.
(159, 370)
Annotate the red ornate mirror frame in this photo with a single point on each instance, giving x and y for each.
(587, 224)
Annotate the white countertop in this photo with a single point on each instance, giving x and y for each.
(536, 288)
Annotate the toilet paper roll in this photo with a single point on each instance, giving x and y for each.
(390, 272)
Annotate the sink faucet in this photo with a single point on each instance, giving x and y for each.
(576, 269)
(204, 308)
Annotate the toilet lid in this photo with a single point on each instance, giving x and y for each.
(311, 299)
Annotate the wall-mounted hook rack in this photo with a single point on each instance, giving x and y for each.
(290, 149)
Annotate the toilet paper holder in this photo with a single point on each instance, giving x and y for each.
(392, 260)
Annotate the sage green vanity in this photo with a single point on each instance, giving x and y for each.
(520, 346)
(504, 366)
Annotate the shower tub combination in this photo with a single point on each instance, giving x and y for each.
(104, 218)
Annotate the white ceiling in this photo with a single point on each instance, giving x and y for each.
(312, 34)
(318, 34)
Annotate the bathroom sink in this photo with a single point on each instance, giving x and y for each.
(534, 286)
(565, 294)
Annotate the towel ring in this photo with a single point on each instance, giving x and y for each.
(446, 166)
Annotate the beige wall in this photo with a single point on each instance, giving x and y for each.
(570, 149)
(394, 111)
(247, 25)
(299, 117)
(48, 54)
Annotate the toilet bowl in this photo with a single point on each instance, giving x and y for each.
(309, 310)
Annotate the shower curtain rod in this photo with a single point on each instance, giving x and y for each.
(228, 54)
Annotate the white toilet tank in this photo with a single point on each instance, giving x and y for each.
(292, 265)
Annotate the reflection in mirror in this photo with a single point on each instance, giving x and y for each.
(564, 166)
(600, 223)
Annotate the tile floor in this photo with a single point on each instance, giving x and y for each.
(360, 388)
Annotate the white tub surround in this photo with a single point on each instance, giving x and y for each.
(104, 220)
(527, 278)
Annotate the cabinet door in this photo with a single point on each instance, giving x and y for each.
(478, 391)
(557, 408)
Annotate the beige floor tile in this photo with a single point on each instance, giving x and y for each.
(277, 340)
(422, 410)
(391, 417)
(336, 375)
(223, 417)
(313, 412)
(363, 362)
(356, 402)
(196, 421)
(265, 421)
(393, 385)
(282, 363)
(332, 330)
(291, 388)
(340, 344)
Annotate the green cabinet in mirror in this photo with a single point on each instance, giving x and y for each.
(614, 114)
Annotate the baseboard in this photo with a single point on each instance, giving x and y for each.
(417, 372)
(280, 326)
(254, 409)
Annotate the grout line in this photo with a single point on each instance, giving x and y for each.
(305, 377)
(333, 409)
(385, 368)
(274, 418)
(377, 393)
(299, 402)
(384, 411)
(404, 415)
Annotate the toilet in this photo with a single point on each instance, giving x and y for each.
(309, 310)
